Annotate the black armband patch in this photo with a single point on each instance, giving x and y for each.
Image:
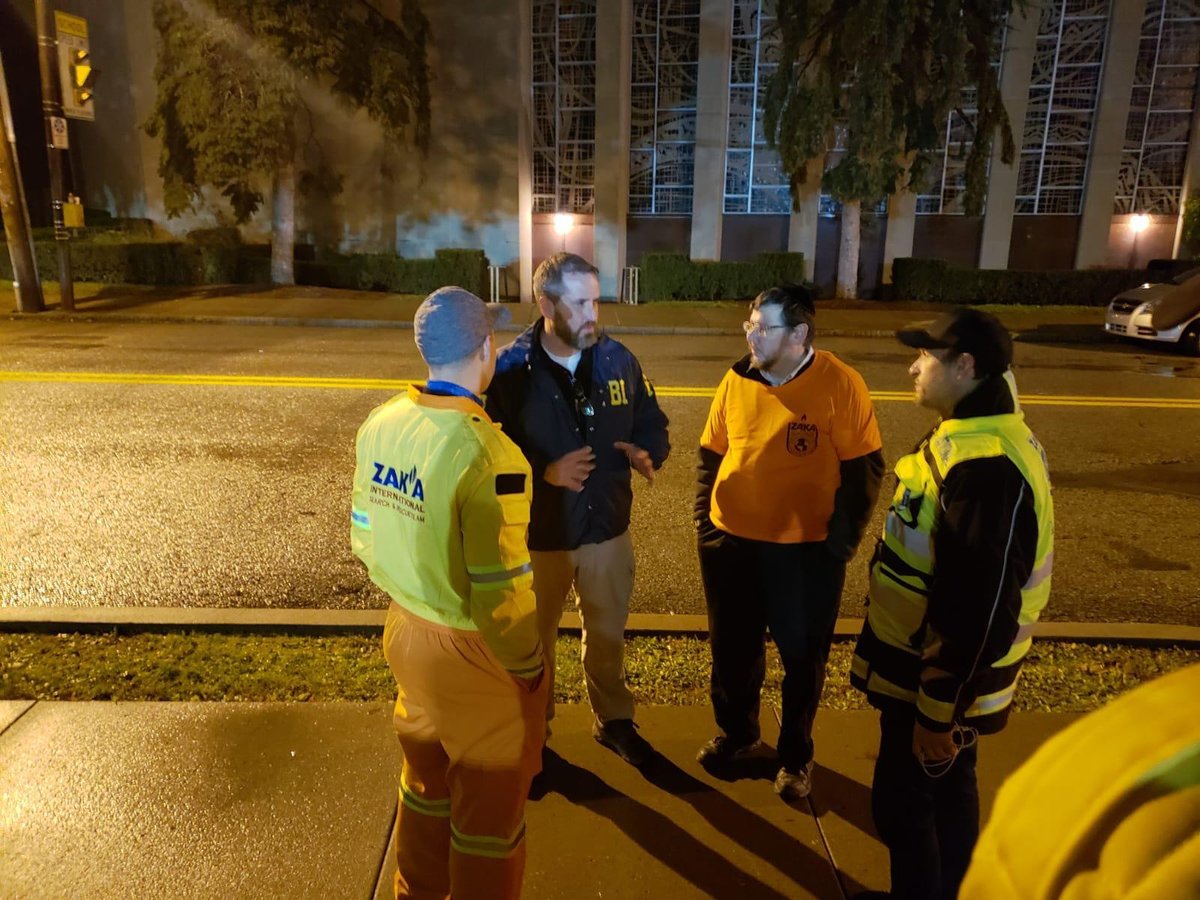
(510, 483)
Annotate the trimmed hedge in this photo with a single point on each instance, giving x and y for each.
(673, 276)
(216, 258)
(157, 262)
(374, 271)
(386, 272)
(102, 227)
(936, 281)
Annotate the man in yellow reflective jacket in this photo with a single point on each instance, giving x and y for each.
(958, 579)
(440, 512)
(1108, 808)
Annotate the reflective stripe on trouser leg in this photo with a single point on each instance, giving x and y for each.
(487, 845)
(604, 583)
(423, 833)
(553, 573)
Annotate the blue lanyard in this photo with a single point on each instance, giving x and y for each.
(449, 389)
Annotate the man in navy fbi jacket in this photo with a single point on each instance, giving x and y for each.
(576, 403)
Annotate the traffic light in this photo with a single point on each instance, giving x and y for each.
(83, 76)
(75, 72)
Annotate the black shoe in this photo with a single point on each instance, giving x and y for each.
(724, 750)
(621, 737)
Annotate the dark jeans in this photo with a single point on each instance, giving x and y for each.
(791, 589)
(929, 825)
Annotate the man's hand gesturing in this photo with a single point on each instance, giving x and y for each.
(638, 458)
(572, 470)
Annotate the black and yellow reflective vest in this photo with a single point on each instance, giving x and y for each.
(900, 655)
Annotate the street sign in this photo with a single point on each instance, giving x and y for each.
(58, 133)
(75, 66)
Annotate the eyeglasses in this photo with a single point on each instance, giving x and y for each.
(583, 406)
(758, 328)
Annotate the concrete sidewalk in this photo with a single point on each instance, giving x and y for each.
(321, 307)
(260, 800)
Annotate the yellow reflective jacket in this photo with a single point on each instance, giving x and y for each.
(1108, 808)
(440, 510)
(894, 652)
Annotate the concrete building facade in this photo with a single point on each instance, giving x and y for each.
(641, 120)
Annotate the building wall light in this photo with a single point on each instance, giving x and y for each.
(563, 223)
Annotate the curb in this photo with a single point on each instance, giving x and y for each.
(318, 622)
(1029, 336)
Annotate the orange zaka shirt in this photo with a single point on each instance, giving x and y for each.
(782, 447)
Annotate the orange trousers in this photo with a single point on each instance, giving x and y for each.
(472, 739)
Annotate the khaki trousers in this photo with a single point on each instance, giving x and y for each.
(602, 575)
(472, 740)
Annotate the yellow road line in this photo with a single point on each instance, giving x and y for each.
(357, 384)
(1026, 399)
(396, 384)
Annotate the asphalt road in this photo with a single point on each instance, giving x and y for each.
(229, 485)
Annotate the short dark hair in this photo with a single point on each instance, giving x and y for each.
(548, 279)
(795, 303)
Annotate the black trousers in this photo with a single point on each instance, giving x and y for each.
(929, 825)
(793, 590)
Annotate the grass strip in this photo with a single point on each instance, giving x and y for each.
(1060, 677)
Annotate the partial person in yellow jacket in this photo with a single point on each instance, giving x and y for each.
(440, 513)
(1108, 808)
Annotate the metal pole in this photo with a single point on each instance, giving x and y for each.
(51, 110)
(15, 214)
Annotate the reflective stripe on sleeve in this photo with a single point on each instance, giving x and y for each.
(859, 667)
(360, 519)
(1040, 574)
(937, 710)
(990, 703)
(496, 577)
(879, 685)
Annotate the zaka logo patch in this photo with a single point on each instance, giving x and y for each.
(402, 492)
(802, 437)
(406, 483)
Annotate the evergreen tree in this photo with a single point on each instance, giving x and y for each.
(229, 106)
(876, 79)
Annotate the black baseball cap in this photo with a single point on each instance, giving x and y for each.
(964, 330)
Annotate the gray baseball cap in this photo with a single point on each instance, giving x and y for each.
(452, 323)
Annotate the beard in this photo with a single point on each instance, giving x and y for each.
(762, 362)
(581, 338)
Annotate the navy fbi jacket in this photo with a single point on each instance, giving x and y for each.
(542, 408)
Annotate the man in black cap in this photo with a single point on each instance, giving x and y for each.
(957, 582)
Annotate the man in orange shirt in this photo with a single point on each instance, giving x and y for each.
(790, 467)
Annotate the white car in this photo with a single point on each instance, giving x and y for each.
(1168, 312)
